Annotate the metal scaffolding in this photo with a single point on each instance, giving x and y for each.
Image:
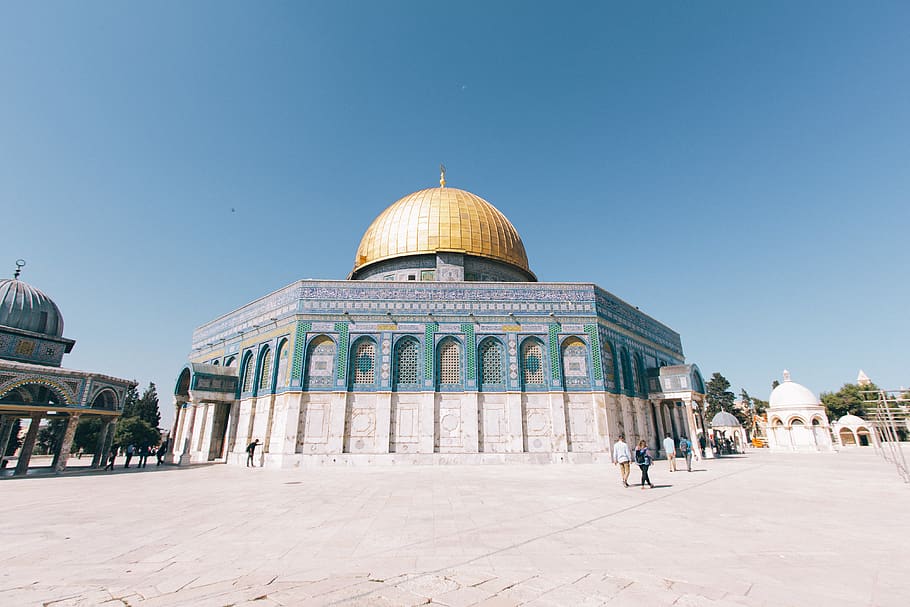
(888, 411)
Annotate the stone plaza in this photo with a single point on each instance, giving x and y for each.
(758, 529)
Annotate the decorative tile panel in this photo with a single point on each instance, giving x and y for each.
(591, 330)
(468, 330)
(554, 352)
(430, 330)
(299, 345)
(341, 364)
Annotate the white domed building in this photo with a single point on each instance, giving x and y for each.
(854, 431)
(796, 419)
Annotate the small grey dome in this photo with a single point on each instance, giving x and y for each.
(724, 420)
(22, 306)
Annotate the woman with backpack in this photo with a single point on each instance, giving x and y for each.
(643, 459)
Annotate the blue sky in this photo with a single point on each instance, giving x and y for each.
(740, 171)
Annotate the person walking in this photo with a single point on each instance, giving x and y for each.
(130, 452)
(670, 450)
(160, 453)
(250, 452)
(111, 458)
(623, 458)
(685, 447)
(643, 459)
(143, 456)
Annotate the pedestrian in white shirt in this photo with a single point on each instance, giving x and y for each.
(623, 458)
(670, 450)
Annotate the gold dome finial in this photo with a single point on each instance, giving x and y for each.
(442, 175)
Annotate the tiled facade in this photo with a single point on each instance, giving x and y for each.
(595, 349)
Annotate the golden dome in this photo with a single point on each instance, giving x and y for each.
(441, 219)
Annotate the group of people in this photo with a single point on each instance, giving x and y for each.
(623, 457)
(131, 451)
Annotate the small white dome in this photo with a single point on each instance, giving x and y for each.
(851, 421)
(792, 394)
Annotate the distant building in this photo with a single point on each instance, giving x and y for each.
(33, 385)
(796, 419)
(441, 346)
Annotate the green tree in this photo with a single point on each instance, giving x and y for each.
(848, 400)
(137, 432)
(14, 441)
(49, 436)
(87, 434)
(130, 402)
(759, 406)
(718, 396)
(147, 406)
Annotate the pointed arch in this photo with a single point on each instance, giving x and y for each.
(608, 360)
(264, 371)
(574, 357)
(407, 363)
(491, 355)
(628, 384)
(642, 384)
(281, 366)
(182, 388)
(247, 373)
(532, 363)
(449, 363)
(105, 399)
(363, 363)
(320, 363)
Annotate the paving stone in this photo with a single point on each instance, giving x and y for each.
(510, 535)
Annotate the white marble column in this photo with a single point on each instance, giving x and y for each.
(28, 445)
(66, 443)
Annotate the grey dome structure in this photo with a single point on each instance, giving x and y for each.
(24, 307)
(724, 420)
(36, 389)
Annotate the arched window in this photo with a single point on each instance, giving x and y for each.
(532, 363)
(216, 362)
(406, 361)
(816, 421)
(628, 383)
(106, 399)
(797, 422)
(282, 376)
(265, 369)
(231, 362)
(575, 362)
(606, 357)
(320, 363)
(364, 362)
(248, 371)
(491, 361)
(642, 378)
(449, 362)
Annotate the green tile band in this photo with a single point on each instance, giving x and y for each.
(554, 351)
(429, 349)
(299, 342)
(591, 330)
(470, 350)
(341, 363)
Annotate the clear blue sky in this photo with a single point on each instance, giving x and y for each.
(738, 170)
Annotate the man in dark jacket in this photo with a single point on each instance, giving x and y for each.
(250, 452)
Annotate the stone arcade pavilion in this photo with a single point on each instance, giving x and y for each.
(35, 387)
(440, 347)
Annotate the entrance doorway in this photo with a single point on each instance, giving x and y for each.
(221, 414)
